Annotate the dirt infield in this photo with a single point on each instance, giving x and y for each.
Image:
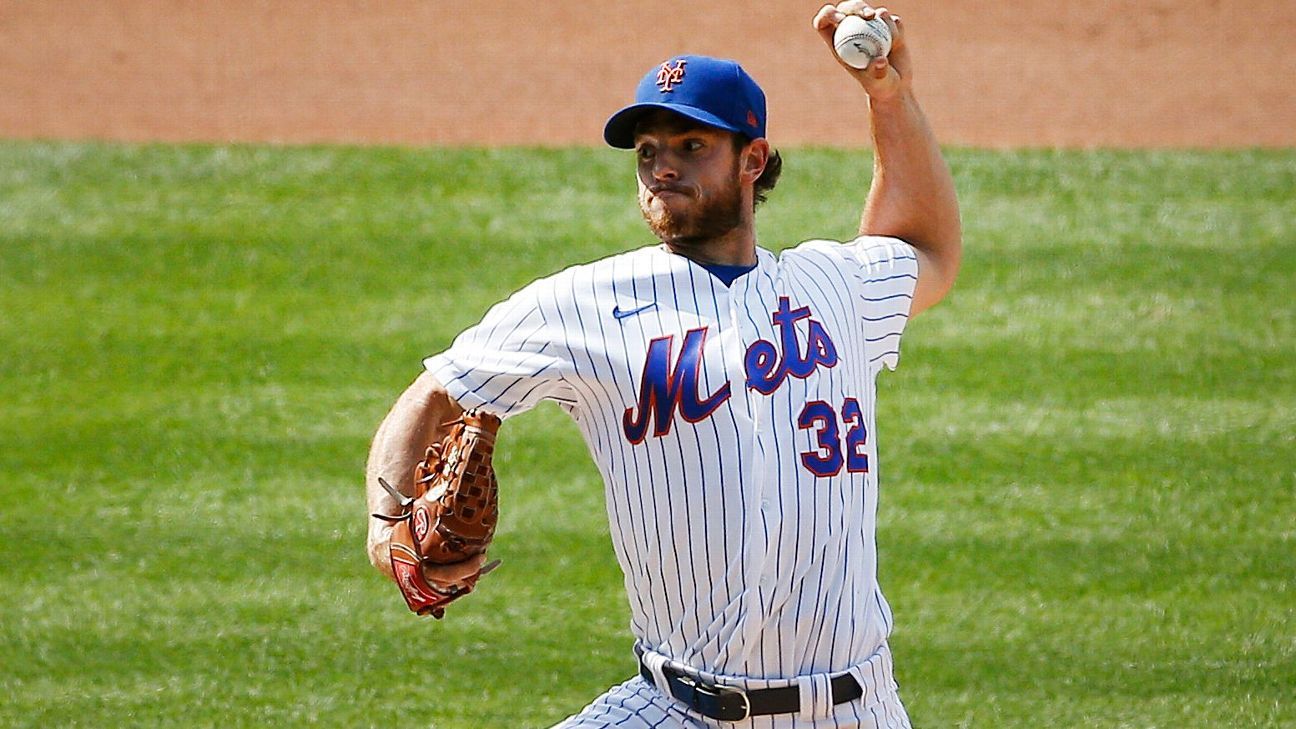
(1114, 74)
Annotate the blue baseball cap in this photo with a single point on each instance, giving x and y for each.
(713, 91)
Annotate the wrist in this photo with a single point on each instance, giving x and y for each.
(900, 100)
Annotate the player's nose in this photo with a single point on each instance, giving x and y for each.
(664, 168)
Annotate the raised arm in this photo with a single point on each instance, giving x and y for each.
(414, 421)
(912, 196)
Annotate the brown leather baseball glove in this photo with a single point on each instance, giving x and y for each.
(438, 544)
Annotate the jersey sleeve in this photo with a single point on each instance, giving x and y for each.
(888, 273)
(508, 363)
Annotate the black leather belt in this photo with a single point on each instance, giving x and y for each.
(729, 703)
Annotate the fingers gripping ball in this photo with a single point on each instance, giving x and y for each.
(859, 41)
(438, 545)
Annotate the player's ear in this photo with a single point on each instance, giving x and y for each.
(755, 155)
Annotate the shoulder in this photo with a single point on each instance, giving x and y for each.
(877, 253)
(616, 265)
(579, 283)
(819, 254)
(607, 267)
(868, 254)
(818, 248)
(862, 247)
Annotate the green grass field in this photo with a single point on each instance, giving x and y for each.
(1089, 453)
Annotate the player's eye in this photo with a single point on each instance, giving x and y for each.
(693, 145)
(645, 152)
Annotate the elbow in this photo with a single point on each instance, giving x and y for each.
(936, 291)
(376, 556)
(951, 248)
(945, 255)
(948, 272)
(938, 267)
(953, 261)
(376, 546)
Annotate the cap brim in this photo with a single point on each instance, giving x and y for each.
(620, 128)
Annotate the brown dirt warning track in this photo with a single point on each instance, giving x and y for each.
(1120, 73)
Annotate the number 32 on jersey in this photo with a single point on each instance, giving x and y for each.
(833, 452)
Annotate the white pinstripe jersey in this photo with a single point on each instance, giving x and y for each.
(734, 430)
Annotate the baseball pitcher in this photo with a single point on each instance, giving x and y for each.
(727, 395)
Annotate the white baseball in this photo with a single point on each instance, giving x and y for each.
(859, 41)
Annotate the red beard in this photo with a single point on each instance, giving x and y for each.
(711, 216)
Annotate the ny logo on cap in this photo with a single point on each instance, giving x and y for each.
(671, 76)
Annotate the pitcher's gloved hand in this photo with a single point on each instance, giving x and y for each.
(438, 543)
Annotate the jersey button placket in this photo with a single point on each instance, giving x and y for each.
(761, 509)
(736, 338)
(770, 508)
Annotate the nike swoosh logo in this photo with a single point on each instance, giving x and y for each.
(618, 314)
